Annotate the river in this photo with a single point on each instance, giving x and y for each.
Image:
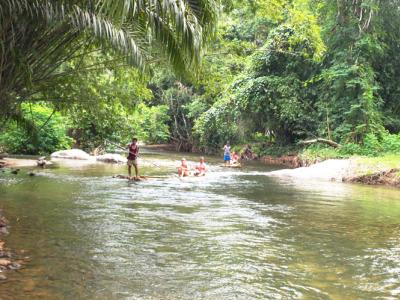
(234, 234)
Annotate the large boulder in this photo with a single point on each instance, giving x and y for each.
(72, 154)
(112, 158)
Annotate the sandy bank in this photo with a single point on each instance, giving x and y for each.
(354, 170)
(332, 169)
(18, 162)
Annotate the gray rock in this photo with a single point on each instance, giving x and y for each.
(72, 154)
(14, 266)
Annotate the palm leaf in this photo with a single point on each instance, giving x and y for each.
(38, 36)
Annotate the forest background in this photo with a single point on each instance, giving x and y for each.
(273, 74)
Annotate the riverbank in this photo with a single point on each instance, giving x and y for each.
(383, 170)
(17, 162)
(329, 163)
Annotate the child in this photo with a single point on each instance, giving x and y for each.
(227, 153)
(234, 158)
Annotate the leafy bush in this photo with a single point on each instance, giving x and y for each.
(374, 145)
(150, 123)
(391, 143)
(350, 149)
(216, 126)
(321, 152)
(46, 135)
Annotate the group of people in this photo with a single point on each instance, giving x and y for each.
(183, 169)
(200, 169)
(230, 158)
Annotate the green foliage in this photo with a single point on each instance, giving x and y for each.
(385, 144)
(149, 124)
(93, 126)
(319, 152)
(277, 150)
(51, 134)
(324, 70)
(216, 126)
(108, 104)
(40, 36)
(374, 145)
(391, 143)
(276, 72)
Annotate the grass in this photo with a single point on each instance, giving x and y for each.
(321, 153)
(370, 165)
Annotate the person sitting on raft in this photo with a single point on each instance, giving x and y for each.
(201, 168)
(183, 169)
(234, 159)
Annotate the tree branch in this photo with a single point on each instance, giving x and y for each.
(320, 140)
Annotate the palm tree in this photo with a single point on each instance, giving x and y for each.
(39, 36)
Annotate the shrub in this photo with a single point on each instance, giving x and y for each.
(391, 143)
(374, 145)
(49, 136)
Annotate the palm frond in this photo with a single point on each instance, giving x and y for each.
(39, 36)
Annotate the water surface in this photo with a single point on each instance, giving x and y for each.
(234, 234)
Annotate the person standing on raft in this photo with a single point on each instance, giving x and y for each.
(201, 168)
(227, 154)
(132, 158)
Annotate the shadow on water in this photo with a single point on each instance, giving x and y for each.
(234, 234)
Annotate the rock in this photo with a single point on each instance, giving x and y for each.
(72, 154)
(3, 223)
(111, 158)
(14, 266)
(3, 277)
(41, 162)
(5, 262)
(31, 174)
(15, 171)
(98, 151)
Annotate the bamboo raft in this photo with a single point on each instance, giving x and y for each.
(140, 178)
(238, 165)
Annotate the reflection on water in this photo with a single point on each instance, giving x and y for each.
(235, 234)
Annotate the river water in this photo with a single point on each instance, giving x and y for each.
(234, 234)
